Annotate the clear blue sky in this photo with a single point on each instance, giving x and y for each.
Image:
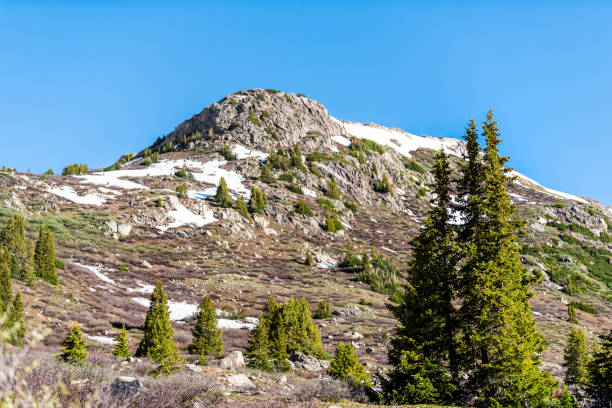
(88, 81)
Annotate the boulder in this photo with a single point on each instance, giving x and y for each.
(125, 386)
(124, 229)
(193, 367)
(233, 361)
(240, 381)
(301, 361)
(112, 225)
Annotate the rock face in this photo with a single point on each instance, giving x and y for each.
(233, 361)
(301, 361)
(240, 381)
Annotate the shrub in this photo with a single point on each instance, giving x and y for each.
(414, 166)
(241, 207)
(351, 206)
(296, 188)
(183, 173)
(181, 190)
(122, 349)
(605, 237)
(323, 310)
(287, 177)
(233, 102)
(332, 190)
(309, 261)
(266, 174)
(558, 204)
(227, 153)
(333, 224)
(571, 312)
(289, 99)
(326, 204)
(49, 172)
(346, 366)
(253, 118)
(74, 169)
(123, 268)
(302, 208)
(159, 203)
(383, 186)
(272, 91)
(584, 307)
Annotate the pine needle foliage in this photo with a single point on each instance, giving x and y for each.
(332, 190)
(6, 290)
(241, 207)
(257, 354)
(158, 340)
(74, 346)
(575, 358)
(599, 386)
(345, 366)
(18, 249)
(222, 197)
(44, 257)
(122, 349)
(258, 201)
(14, 325)
(207, 337)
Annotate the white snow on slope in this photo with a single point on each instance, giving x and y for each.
(242, 152)
(68, 193)
(208, 172)
(102, 339)
(97, 270)
(182, 217)
(342, 140)
(309, 192)
(549, 191)
(182, 310)
(144, 288)
(403, 142)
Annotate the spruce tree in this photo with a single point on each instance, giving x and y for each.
(599, 386)
(332, 190)
(257, 354)
(6, 291)
(122, 349)
(74, 346)
(309, 260)
(424, 347)
(14, 322)
(575, 358)
(502, 345)
(207, 337)
(296, 158)
(44, 257)
(258, 201)
(18, 248)
(345, 366)
(158, 340)
(571, 313)
(222, 196)
(240, 207)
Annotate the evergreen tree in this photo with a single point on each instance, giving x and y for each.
(309, 260)
(345, 366)
(257, 353)
(207, 337)
(575, 358)
(14, 323)
(6, 291)
(266, 174)
(599, 386)
(332, 190)
(296, 158)
(158, 340)
(424, 348)
(333, 223)
(74, 346)
(19, 250)
(44, 256)
(222, 196)
(323, 310)
(383, 186)
(503, 347)
(240, 207)
(571, 313)
(258, 201)
(122, 350)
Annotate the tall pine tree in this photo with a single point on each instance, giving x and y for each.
(207, 337)
(258, 352)
(502, 359)
(158, 340)
(44, 256)
(423, 349)
(599, 386)
(19, 249)
(222, 196)
(575, 358)
(122, 350)
(14, 324)
(6, 291)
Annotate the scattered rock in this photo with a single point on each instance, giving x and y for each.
(124, 229)
(301, 361)
(233, 361)
(282, 380)
(369, 350)
(112, 226)
(240, 381)
(193, 367)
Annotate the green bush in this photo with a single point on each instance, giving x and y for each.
(333, 223)
(181, 190)
(226, 152)
(266, 175)
(302, 208)
(383, 186)
(326, 204)
(323, 310)
(258, 201)
(414, 166)
(332, 190)
(74, 169)
(584, 307)
(287, 177)
(253, 118)
(296, 188)
(346, 366)
(351, 206)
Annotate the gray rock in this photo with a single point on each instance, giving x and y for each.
(282, 380)
(233, 361)
(124, 229)
(126, 386)
(240, 381)
(112, 225)
(193, 367)
(301, 361)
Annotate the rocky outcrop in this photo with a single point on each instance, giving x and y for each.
(233, 360)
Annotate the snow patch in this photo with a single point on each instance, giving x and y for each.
(242, 152)
(402, 141)
(341, 140)
(546, 190)
(68, 193)
(309, 192)
(325, 265)
(270, 231)
(144, 288)
(97, 270)
(182, 217)
(102, 339)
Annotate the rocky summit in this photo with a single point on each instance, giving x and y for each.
(332, 191)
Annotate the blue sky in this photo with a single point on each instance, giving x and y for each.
(89, 81)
